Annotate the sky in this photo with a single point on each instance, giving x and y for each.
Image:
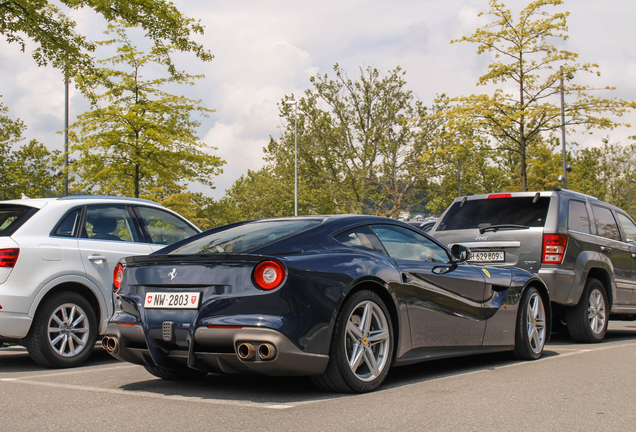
(266, 49)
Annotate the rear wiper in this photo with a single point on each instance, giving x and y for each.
(502, 226)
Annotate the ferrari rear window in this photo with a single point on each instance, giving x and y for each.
(13, 216)
(245, 238)
(486, 212)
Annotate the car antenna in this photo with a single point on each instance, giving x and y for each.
(463, 202)
(536, 198)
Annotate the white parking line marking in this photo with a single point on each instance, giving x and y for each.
(80, 371)
(266, 405)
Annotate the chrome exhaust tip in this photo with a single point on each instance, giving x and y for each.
(105, 343)
(109, 343)
(246, 351)
(266, 351)
(112, 344)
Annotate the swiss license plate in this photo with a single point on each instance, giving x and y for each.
(487, 256)
(172, 300)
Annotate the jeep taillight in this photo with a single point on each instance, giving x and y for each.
(8, 257)
(553, 248)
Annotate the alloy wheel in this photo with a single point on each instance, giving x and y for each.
(596, 311)
(367, 341)
(68, 330)
(536, 323)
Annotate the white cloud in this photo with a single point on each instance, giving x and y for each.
(265, 50)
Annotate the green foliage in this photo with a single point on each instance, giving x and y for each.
(58, 42)
(32, 170)
(192, 206)
(544, 168)
(359, 148)
(142, 141)
(604, 171)
(521, 56)
(27, 170)
(255, 195)
(448, 155)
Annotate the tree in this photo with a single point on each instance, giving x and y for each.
(359, 143)
(32, 171)
(57, 41)
(193, 207)
(142, 141)
(28, 170)
(604, 171)
(447, 157)
(523, 57)
(255, 195)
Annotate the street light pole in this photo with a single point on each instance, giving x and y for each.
(459, 170)
(459, 177)
(295, 103)
(66, 136)
(565, 173)
(629, 194)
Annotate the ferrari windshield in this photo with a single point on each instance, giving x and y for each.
(245, 238)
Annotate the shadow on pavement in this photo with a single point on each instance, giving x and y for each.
(281, 390)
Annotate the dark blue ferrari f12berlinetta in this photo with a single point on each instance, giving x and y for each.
(338, 298)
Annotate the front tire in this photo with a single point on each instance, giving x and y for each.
(175, 375)
(361, 349)
(530, 335)
(587, 321)
(63, 332)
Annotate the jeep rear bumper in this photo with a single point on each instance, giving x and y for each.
(562, 284)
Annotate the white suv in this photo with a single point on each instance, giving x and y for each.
(57, 258)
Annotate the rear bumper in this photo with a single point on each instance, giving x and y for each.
(214, 350)
(14, 325)
(562, 285)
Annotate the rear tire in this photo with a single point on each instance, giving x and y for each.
(63, 332)
(361, 348)
(175, 375)
(587, 321)
(531, 331)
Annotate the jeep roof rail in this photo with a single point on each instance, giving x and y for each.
(575, 192)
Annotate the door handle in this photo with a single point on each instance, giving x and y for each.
(406, 277)
(97, 259)
(606, 249)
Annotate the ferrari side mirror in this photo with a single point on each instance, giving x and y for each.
(459, 253)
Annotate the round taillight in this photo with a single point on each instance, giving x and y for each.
(269, 275)
(118, 276)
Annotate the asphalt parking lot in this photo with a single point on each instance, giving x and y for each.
(572, 388)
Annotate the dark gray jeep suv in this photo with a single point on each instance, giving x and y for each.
(584, 250)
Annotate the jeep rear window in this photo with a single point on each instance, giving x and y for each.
(245, 238)
(482, 213)
(12, 217)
